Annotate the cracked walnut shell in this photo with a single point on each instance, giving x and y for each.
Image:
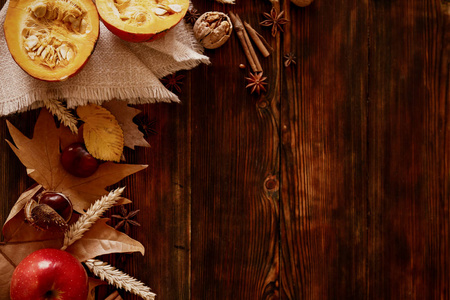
(212, 29)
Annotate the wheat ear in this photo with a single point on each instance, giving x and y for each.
(119, 279)
(77, 229)
(57, 109)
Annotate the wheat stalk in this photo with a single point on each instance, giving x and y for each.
(119, 279)
(76, 230)
(57, 109)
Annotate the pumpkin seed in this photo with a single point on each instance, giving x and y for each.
(76, 24)
(140, 17)
(38, 41)
(39, 10)
(31, 42)
(70, 54)
(83, 25)
(44, 53)
(38, 52)
(175, 8)
(159, 11)
(32, 55)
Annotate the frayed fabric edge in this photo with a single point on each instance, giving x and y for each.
(184, 65)
(76, 96)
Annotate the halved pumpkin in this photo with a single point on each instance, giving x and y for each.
(141, 20)
(51, 40)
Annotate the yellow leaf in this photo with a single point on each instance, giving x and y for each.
(102, 133)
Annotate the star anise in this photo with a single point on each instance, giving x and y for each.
(289, 59)
(146, 125)
(192, 15)
(125, 218)
(256, 82)
(276, 20)
(173, 82)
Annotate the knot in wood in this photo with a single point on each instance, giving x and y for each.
(271, 183)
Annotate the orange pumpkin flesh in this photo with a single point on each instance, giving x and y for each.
(51, 40)
(141, 20)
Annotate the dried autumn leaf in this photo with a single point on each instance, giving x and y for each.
(103, 239)
(41, 156)
(21, 239)
(17, 230)
(124, 114)
(102, 133)
(18, 206)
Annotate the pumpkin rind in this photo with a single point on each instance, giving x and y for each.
(51, 40)
(141, 20)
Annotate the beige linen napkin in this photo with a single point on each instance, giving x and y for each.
(116, 70)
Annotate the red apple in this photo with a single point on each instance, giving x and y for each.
(49, 274)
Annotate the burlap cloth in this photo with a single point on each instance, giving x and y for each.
(116, 70)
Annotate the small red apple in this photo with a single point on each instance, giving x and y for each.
(49, 274)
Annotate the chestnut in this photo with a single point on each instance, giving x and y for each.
(59, 202)
(49, 210)
(77, 161)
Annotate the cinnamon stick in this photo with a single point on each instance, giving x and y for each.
(249, 51)
(258, 39)
(250, 46)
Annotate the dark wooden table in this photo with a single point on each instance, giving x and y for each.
(335, 184)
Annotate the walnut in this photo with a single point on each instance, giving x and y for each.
(212, 29)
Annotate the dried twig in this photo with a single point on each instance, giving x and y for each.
(119, 279)
(57, 109)
(86, 220)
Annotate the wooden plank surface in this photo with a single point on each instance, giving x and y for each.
(332, 185)
(323, 210)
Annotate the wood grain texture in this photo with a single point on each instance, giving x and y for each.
(332, 185)
(408, 167)
(235, 231)
(324, 143)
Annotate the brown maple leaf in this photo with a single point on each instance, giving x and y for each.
(124, 115)
(41, 156)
